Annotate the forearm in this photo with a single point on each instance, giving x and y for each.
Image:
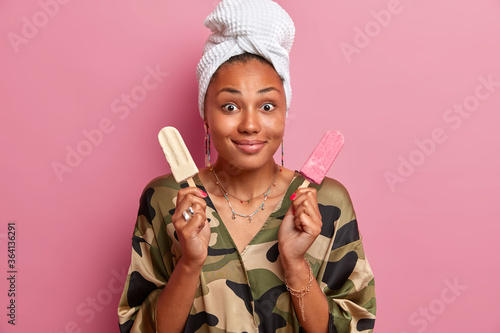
(176, 299)
(314, 302)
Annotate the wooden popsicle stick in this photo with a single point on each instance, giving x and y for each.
(190, 182)
(305, 184)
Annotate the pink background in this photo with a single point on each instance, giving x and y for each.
(431, 235)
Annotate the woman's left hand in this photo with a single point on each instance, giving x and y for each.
(300, 227)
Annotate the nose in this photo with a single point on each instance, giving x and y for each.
(250, 122)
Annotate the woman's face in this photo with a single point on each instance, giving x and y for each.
(245, 110)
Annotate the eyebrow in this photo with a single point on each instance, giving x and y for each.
(237, 92)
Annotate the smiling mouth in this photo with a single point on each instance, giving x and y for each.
(250, 146)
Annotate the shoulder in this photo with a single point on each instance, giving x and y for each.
(166, 180)
(164, 185)
(333, 197)
(331, 191)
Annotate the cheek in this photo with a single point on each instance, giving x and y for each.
(276, 127)
(219, 134)
(220, 126)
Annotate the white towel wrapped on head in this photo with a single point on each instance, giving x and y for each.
(260, 27)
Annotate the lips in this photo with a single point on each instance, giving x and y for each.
(249, 146)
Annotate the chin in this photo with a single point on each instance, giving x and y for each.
(252, 163)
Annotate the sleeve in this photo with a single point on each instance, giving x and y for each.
(148, 273)
(345, 276)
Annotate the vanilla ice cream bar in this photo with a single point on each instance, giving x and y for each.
(321, 159)
(178, 156)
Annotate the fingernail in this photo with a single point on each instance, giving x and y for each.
(293, 196)
(203, 193)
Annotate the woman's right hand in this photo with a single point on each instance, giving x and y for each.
(194, 235)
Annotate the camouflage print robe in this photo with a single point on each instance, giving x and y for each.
(245, 292)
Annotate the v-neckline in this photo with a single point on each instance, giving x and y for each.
(292, 187)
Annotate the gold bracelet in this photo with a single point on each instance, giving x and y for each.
(300, 293)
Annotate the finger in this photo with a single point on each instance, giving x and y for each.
(304, 194)
(288, 223)
(291, 214)
(189, 191)
(292, 222)
(194, 226)
(308, 209)
(305, 215)
(190, 200)
(199, 207)
(306, 223)
(307, 203)
(309, 225)
(197, 204)
(301, 191)
(301, 207)
(300, 196)
(304, 202)
(185, 217)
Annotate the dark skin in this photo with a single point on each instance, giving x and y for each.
(245, 111)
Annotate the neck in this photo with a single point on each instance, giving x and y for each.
(245, 184)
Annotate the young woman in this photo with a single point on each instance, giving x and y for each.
(246, 250)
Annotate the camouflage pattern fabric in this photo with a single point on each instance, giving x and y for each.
(245, 292)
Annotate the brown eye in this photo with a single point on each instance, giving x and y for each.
(268, 107)
(230, 107)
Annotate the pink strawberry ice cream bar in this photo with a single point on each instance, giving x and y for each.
(321, 159)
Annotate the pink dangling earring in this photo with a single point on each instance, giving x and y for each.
(207, 147)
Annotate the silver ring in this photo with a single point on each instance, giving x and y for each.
(190, 210)
(186, 216)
